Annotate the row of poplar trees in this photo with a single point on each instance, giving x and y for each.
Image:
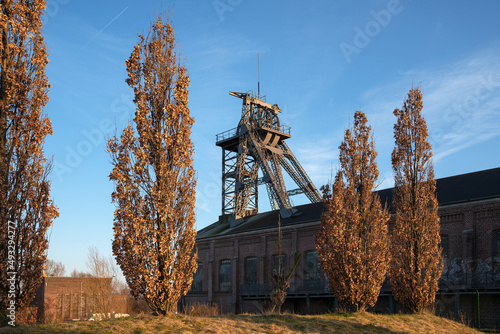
(155, 182)
(356, 247)
(154, 179)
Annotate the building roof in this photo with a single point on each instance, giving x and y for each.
(461, 188)
(456, 189)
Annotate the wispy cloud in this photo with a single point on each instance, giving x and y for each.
(461, 103)
(220, 50)
(319, 156)
(461, 107)
(108, 24)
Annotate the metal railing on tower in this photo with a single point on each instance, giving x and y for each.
(258, 143)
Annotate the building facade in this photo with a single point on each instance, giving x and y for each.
(236, 262)
(68, 298)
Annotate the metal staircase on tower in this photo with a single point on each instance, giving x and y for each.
(258, 143)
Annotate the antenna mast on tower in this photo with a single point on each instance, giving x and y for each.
(258, 76)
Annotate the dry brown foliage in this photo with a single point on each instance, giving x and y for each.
(352, 243)
(24, 171)
(26, 315)
(278, 293)
(154, 178)
(416, 263)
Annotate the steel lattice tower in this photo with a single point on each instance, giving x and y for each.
(258, 142)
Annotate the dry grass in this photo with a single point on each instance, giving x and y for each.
(287, 323)
(202, 310)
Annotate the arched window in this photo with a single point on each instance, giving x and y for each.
(276, 261)
(225, 276)
(312, 269)
(444, 245)
(496, 246)
(251, 270)
(197, 279)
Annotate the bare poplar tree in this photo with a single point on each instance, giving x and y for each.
(281, 280)
(416, 262)
(154, 178)
(26, 209)
(352, 243)
(76, 273)
(54, 269)
(102, 272)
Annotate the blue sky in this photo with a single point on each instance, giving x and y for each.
(320, 61)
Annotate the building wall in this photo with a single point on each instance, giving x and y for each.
(66, 298)
(263, 245)
(470, 263)
(470, 229)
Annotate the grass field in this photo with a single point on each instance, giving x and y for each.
(287, 323)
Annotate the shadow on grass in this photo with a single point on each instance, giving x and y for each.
(42, 329)
(325, 323)
(332, 323)
(80, 327)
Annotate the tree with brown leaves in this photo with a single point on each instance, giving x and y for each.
(154, 177)
(352, 243)
(26, 209)
(416, 262)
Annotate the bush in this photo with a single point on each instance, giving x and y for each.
(26, 315)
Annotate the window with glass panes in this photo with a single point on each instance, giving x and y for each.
(496, 245)
(251, 270)
(312, 269)
(276, 264)
(225, 275)
(197, 279)
(444, 245)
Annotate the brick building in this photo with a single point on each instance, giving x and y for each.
(237, 259)
(67, 298)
